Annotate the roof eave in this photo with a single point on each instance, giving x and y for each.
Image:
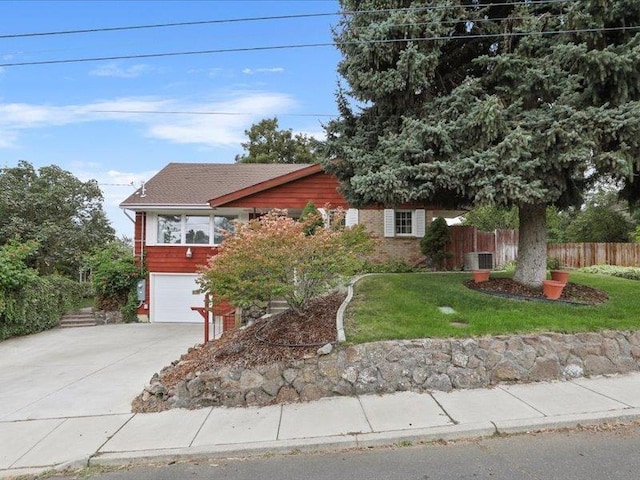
(267, 184)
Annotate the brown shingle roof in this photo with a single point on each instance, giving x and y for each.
(196, 183)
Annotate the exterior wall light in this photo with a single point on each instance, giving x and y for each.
(189, 253)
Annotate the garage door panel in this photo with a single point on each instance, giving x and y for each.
(172, 298)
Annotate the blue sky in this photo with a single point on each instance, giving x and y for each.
(51, 114)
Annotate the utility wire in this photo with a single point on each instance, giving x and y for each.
(320, 44)
(278, 17)
(181, 112)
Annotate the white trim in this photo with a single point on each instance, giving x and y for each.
(389, 222)
(419, 226)
(351, 217)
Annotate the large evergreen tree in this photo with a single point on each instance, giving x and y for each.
(521, 103)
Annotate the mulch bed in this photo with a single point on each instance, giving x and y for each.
(572, 293)
(283, 338)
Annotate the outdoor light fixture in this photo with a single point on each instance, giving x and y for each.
(189, 253)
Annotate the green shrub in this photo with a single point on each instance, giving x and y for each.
(434, 243)
(29, 303)
(114, 276)
(393, 266)
(130, 309)
(553, 263)
(630, 273)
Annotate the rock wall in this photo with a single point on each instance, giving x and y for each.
(418, 365)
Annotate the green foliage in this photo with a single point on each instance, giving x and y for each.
(599, 224)
(271, 257)
(514, 120)
(630, 273)
(488, 218)
(393, 266)
(268, 144)
(312, 218)
(114, 276)
(29, 303)
(553, 263)
(130, 309)
(435, 241)
(53, 208)
(395, 306)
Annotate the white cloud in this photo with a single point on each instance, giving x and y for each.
(115, 70)
(115, 186)
(251, 71)
(239, 110)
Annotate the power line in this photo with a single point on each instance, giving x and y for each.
(275, 17)
(182, 112)
(320, 44)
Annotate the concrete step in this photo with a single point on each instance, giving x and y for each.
(81, 319)
(77, 324)
(278, 306)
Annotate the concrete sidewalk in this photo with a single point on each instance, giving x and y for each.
(31, 446)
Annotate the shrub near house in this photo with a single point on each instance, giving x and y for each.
(273, 256)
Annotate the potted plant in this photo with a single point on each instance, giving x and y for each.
(552, 289)
(557, 274)
(480, 276)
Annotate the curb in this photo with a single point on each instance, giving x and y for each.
(365, 440)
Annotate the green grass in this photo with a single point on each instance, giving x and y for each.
(405, 306)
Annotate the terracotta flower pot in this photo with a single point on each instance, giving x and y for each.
(560, 276)
(480, 276)
(552, 289)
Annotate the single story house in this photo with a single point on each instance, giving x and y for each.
(181, 212)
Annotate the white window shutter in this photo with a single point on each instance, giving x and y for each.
(351, 217)
(389, 222)
(420, 223)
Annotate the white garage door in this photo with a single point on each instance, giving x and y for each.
(172, 298)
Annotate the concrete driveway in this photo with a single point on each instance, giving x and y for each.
(86, 371)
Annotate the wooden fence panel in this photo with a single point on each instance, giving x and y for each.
(578, 255)
(502, 243)
(506, 247)
(486, 241)
(462, 241)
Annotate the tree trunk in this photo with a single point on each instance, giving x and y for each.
(531, 267)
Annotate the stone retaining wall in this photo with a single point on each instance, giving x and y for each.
(418, 365)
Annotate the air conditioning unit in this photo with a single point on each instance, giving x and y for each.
(478, 261)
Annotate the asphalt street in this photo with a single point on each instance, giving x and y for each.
(590, 453)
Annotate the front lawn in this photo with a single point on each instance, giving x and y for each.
(405, 306)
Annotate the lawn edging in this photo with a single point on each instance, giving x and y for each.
(400, 365)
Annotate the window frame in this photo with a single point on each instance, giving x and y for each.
(412, 223)
(155, 226)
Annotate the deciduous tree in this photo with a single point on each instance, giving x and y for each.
(61, 213)
(272, 257)
(268, 144)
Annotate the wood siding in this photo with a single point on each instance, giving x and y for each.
(578, 255)
(321, 188)
(173, 259)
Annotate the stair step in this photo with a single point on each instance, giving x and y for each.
(77, 323)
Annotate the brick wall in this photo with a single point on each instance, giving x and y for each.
(389, 249)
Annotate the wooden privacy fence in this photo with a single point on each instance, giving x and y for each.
(502, 243)
(578, 255)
